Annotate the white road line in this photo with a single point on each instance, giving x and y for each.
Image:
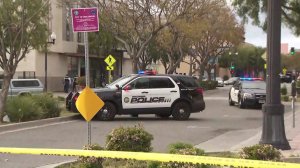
(215, 98)
(35, 127)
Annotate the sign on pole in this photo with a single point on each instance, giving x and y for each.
(109, 68)
(110, 60)
(85, 19)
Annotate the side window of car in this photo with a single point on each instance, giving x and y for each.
(161, 83)
(140, 83)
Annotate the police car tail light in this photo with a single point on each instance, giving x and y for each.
(199, 90)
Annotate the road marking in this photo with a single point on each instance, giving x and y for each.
(35, 127)
(195, 126)
(215, 98)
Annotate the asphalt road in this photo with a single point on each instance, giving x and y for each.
(218, 118)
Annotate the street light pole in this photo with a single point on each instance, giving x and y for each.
(273, 131)
(53, 38)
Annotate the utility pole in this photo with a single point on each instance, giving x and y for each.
(273, 131)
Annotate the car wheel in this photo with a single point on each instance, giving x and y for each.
(181, 111)
(108, 112)
(241, 104)
(231, 103)
(163, 115)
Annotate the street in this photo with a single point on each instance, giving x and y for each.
(218, 118)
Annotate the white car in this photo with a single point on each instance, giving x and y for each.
(220, 81)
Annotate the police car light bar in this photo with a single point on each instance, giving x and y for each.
(147, 72)
(251, 79)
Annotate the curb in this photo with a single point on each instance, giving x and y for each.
(13, 126)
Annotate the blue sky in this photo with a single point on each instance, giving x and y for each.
(256, 36)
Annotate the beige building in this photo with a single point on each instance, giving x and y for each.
(66, 56)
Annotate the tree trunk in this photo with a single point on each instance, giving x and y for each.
(3, 95)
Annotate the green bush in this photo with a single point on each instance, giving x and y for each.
(283, 90)
(261, 152)
(184, 149)
(91, 162)
(22, 108)
(129, 139)
(209, 85)
(285, 98)
(225, 77)
(49, 105)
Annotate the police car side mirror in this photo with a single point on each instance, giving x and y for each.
(118, 86)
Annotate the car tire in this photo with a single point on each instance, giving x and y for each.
(241, 104)
(231, 103)
(163, 115)
(181, 111)
(108, 112)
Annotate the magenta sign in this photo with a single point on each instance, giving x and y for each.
(85, 19)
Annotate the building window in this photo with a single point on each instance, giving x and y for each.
(67, 23)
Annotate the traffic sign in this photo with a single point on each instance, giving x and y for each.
(88, 103)
(110, 60)
(284, 71)
(109, 68)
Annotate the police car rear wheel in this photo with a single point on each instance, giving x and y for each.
(181, 111)
(108, 112)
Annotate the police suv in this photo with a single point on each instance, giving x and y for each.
(162, 95)
(248, 92)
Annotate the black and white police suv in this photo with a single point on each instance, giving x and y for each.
(248, 92)
(162, 95)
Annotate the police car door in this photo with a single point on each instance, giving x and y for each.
(136, 93)
(234, 91)
(163, 91)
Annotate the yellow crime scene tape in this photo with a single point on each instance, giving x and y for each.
(215, 161)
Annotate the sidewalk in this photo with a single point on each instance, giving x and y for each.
(234, 141)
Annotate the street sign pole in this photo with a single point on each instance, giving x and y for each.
(87, 77)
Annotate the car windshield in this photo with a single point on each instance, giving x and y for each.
(254, 85)
(121, 81)
(219, 79)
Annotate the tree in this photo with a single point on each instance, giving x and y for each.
(220, 31)
(247, 60)
(23, 27)
(253, 9)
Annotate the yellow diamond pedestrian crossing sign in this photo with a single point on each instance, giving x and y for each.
(110, 60)
(109, 68)
(88, 103)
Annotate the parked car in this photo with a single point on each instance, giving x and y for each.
(248, 92)
(231, 80)
(162, 95)
(24, 86)
(220, 81)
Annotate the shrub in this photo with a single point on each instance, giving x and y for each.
(49, 105)
(285, 98)
(22, 108)
(91, 162)
(225, 77)
(184, 149)
(260, 152)
(209, 85)
(129, 139)
(283, 90)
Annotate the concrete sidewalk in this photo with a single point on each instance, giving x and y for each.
(234, 141)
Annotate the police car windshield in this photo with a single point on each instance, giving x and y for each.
(254, 85)
(121, 81)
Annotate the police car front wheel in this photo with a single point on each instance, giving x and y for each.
(108, 112)
(181, 111)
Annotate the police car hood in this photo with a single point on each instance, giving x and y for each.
(255, 91)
